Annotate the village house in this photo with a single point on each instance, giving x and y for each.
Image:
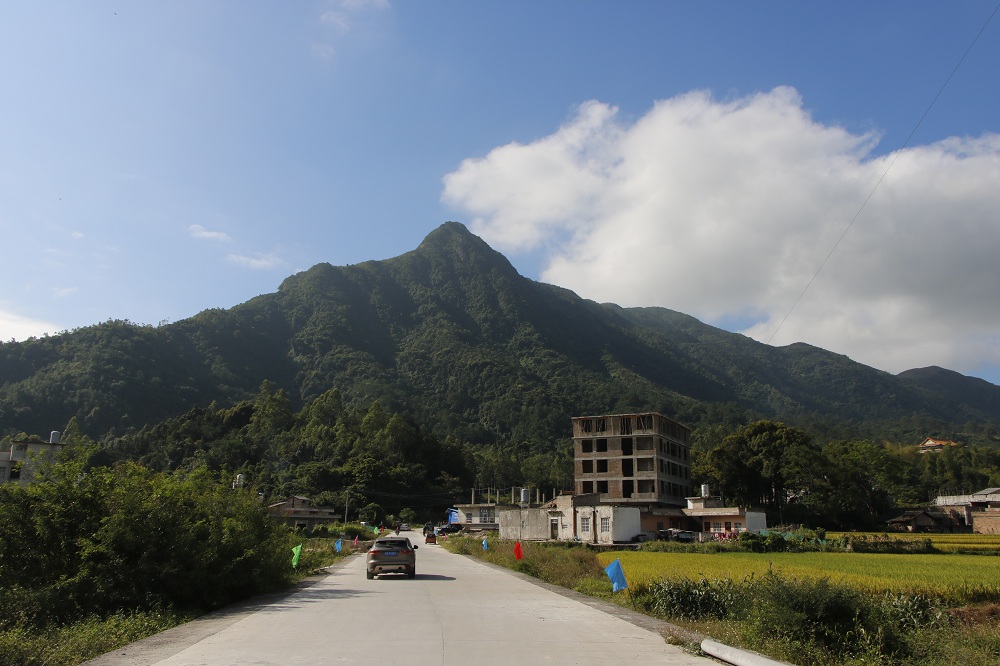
(931, 445)
(298, 512)
(17, 464)
(973, 512)
(632, 481)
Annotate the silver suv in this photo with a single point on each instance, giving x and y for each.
(391, 555)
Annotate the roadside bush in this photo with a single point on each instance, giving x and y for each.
(82, 542)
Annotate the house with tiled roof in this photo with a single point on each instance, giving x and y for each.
(931, 445)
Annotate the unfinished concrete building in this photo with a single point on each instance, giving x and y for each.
(632, 459)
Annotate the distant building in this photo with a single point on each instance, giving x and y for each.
(632, 459)
(298, 512)
(973, 512)
(632, 480)
(931, 445)
(18, 463)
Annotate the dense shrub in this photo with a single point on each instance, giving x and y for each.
(98, 541)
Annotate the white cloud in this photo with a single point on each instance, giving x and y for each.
(16, 327)
(726, 210)
(198, 231)
(257, 261)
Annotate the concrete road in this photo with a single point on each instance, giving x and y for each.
(458, 611)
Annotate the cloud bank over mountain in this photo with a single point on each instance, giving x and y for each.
(731, 210)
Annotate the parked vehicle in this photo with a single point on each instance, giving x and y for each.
(428, 528)
(450, 528)
(391, 555)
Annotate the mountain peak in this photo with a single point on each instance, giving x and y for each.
(454, 243)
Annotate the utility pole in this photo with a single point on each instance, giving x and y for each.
(346, 501)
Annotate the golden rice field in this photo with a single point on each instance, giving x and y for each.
(955, 577)
(949, 543)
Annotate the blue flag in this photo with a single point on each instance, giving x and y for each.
(485, 547)
(617, 576)
(338, 545)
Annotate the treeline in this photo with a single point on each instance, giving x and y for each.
(367, 460)
(843, 485)
(97, 542)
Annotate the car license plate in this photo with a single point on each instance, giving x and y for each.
(389, 553)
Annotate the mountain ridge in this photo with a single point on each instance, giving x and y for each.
(451, 333)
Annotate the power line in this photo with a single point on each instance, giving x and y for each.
(895, 156)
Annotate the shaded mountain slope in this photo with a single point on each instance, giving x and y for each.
(451, 333)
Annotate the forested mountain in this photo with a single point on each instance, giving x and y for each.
(451, 334)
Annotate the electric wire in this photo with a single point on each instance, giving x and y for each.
(892, 161)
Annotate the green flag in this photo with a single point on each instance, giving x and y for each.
(296, 553)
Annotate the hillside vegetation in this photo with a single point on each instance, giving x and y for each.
(451, 335)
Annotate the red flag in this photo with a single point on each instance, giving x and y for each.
(355, 539)
(518, 553)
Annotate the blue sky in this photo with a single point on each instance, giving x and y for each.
(157, 160)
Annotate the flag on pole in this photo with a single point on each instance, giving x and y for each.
(296, 553)
(518, 553)
(355, 540)
(617, 576)
(338, 545)
(485, 547)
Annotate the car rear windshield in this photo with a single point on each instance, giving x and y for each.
(392, 544)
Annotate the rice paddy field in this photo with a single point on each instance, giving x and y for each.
(948, 543)
(954, 578)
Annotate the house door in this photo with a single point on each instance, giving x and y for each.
(553, 528)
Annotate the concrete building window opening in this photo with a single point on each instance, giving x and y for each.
(586, 425)
(600, 425)
(605, 524)
(643, 443)
(602, 445)
(626, 446)
(587, 467)
(602, 486)
(647, 486)
(602, 466)
(588, 487)
(644, 422)
(626, 425)
(645, 465)
(587, 446)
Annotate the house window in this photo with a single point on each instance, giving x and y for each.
(588, 466)
(605, 524)
(588, 487)
(585, 523)
(485, 515)
(739, 526)
(716, 527)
